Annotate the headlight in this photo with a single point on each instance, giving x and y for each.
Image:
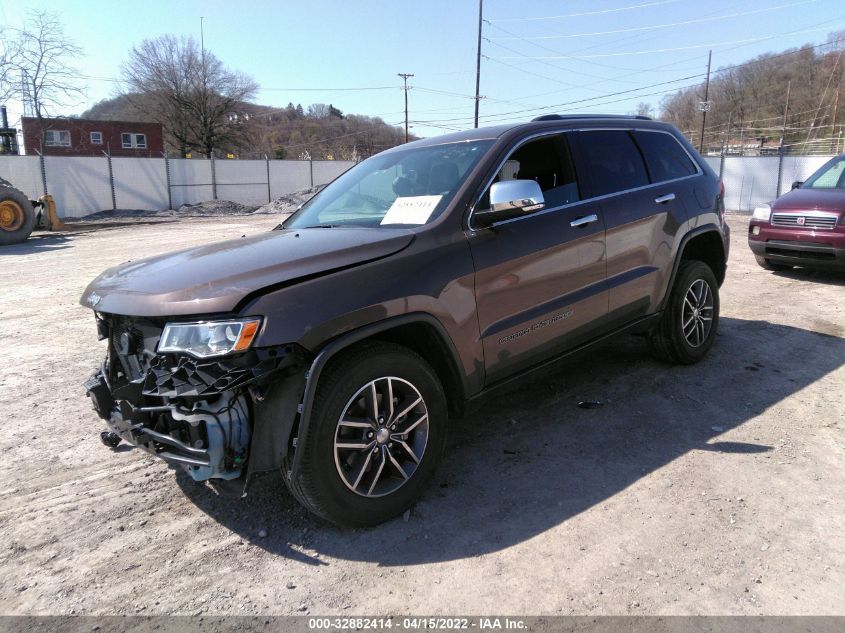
(210, 338)
(763, 213)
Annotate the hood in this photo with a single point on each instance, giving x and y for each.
(811, 200)
(216, 277)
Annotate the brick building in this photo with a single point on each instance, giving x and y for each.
(88, 137)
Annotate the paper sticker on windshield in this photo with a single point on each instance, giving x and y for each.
(411, 210)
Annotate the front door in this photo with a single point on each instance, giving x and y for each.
(540, 279)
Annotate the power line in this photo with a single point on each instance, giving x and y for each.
(669, 50)
(659, 26)
(497, 117)
(583, 13)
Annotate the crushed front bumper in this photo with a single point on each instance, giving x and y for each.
(214, 417)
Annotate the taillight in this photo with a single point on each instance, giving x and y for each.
(721, 189)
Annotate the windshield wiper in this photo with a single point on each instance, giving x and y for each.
(322, 226)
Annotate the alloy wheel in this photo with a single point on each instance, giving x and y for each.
(697, 313)
(381, 437)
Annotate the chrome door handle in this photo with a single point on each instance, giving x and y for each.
(664, 199)
(584, 221)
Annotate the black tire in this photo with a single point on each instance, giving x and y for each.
(320, 486)
(769, 265)
(669, 341)
(17, 217)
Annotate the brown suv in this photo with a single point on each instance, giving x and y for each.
(336, 347)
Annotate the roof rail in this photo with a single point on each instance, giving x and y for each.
(564, 117)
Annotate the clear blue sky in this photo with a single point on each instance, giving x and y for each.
(529, 66)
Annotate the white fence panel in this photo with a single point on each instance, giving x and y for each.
(749, 181)
(24, 172)
(140, 183)
(714, 162)
(799, 168)
(190, 181)
(243, 181)
(287, 176)
(327, 170)
(80, 184)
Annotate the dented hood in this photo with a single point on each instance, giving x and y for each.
(216, 277)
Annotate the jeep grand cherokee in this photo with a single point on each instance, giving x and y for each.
(337, 347)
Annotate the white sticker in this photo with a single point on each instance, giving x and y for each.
(411, 210)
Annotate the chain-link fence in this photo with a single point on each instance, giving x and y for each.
(754, 180)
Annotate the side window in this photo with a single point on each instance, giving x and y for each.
(546, 161)
(665, 157)
(612, 161)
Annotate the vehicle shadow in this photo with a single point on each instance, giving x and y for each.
(38, 243)
(531, 459)
(809, 274)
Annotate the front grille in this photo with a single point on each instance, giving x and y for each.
(800, 220)
(786, 252)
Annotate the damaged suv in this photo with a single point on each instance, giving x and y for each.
(336, 347)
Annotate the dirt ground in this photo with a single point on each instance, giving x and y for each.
(713, 489)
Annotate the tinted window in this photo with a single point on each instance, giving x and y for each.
(612, 161)
(546, 161)
(665, 157)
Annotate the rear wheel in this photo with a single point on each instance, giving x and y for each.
(769, 265)
(376, 435)
(688, 326)
(17, 217)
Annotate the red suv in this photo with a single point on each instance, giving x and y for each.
(805, 227)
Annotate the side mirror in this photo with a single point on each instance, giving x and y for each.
(797, 184)
(511, 199)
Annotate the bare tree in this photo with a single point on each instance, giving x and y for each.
(644, 109)
(40, 54)
(198, 101)
(9, 77)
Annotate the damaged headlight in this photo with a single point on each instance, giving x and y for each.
(209, 338)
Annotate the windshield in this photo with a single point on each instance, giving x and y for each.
(400, 188)
(830, 176)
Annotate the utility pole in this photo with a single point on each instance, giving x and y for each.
(785, 113)
(782, 149)
(478, 63)
(706, 104)
(405, 79)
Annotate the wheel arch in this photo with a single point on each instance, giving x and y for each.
(420, 332)
(703, 244)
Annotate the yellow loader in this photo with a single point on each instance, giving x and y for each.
(19, 215)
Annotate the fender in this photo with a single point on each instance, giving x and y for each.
(329, 351)
(700, 230)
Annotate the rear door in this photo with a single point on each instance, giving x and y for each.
(540, 278)
(637, 176)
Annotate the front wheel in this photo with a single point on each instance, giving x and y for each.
(688, 326)
(17, 217)
(376, 435)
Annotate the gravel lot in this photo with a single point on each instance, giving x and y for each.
(713, 489)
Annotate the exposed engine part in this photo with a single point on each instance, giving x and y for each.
(195, 413)
(227, 431)
(110, 439)
(208, 438)
(176, 376)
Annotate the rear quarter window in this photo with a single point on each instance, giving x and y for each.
(665, 157)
